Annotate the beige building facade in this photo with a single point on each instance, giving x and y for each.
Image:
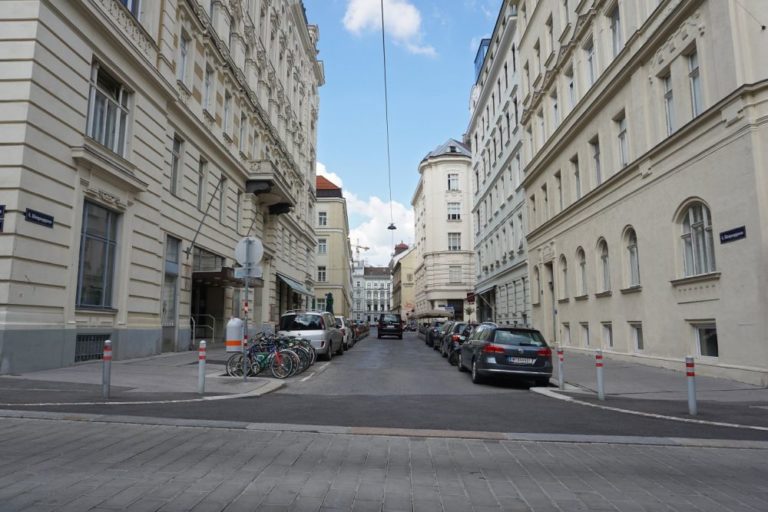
(444, 245)
(334, 255)
(403, 281)
(645, 150)
(502, 292)
(141, 141)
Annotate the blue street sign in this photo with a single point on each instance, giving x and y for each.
(38, 218)
(733, 234)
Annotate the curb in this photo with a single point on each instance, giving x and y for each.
(387, 432)
(553, 394)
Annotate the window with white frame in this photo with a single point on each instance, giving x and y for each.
(453, 181)
(581, 257)
(605, 266)
(621, 126)
(555, 109)
(571, 87)
(563, 277)
(607, 334)
(222, 200)
(243, 132)
(322, 218)
(227, 112)
(633, 258)
(322, 246)
(594, 144)
(695, 83)
(566, 334)
(133, 7)
(98, 254)
(706, 339)
(576, 177)
(454, 273)
(454, 241)
(591, 61)
(239, 211)
(321, 274)
(454, 211)
(182, 71)
(176, 164)
(697, 239)
(536, 286)
(107, 110)
(669, 103)
(202, 176)
(636, 332)
(208, 84)
(320, 304)
(616, 37)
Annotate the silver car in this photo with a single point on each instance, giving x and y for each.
(347, 331)
(319, 327)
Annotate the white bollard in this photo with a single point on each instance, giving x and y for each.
(690, 375)
(201, 368)
(560, 376)
(599, 367)
(106, 369)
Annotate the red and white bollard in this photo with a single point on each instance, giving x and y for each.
(690, 375)
(599, 368)
(201, 368)
(560, 376)
(106, 369)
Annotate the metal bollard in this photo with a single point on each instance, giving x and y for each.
(201, 368)
(560, 376)
(599, 367)
(106, 369)
(690, 375)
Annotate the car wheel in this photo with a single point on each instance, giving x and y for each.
(340, 352)
(453, 359)
(460, 363)
(476, 378)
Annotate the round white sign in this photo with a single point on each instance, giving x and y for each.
(249, 249)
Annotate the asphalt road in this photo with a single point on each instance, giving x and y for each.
(392, 383)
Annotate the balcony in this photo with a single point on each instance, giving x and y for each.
(266, 181)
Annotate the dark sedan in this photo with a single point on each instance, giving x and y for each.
(508, 351)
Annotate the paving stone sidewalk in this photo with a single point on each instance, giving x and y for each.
(71, 466)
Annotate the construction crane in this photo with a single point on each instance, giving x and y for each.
(358, 248)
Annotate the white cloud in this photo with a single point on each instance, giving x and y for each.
(372, 232)
(401, 18)
(334, 178)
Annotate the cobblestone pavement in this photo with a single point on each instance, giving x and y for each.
(76, 466)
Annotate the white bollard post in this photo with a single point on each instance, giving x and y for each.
(560, 376)
(690, 375)
(106, 369)
(599, 367)
(201, 368)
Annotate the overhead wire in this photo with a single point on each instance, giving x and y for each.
(386, 120)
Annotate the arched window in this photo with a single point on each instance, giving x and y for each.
(536, 285)
(582, 259)
(633, 257)
(698, 246)
(564, 277)
(602, 249)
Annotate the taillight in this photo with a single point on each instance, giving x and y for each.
(493, 349)
(455, 337)
(544, 352)
(343, 331)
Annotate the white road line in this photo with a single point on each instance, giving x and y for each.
(308, 377)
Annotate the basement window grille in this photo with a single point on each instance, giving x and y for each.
(89, 347)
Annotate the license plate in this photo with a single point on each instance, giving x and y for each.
(521, 360)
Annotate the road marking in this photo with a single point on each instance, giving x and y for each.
(305, 379)
(552, 394)
(320, 369)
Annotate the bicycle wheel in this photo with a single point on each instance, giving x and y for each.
(295, 361)
(280, 366)
(235, 365)
(304, 355)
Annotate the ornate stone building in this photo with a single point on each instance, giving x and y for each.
(141, 141)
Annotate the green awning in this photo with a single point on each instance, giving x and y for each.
(294, 285)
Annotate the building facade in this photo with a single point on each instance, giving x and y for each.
(645, 145)
(377, 282)
(403, 267)
(334, 255)
(142, 141)
(502, 293)
(442, 202)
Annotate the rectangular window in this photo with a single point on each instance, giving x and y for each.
(669, 104)
(181, 70)
(98, 253)
(239, 212)
(608, 335)
(453, 181)
(222, 199)
(595, 145)
(321, 274)
(107, 110)
(170, 280)
(616, 37)
(132, 6)
(322, 219)
(621, 125)
(322, 246)
(320, 304)
(454, 241)
(706, 339)
(176, 153)
(566, 334)
(576, 177)
(585, 333)
(454, 273)
(208, 89)
(637, 336)
(454, 211)
(227, 112)
(555, 110)
(202, 176)
(695, 80)
(559, 185)
(243, 133)
(591, 60)
(544, 203)
(570, 84)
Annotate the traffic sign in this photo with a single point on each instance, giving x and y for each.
(254, 271)
(249, 250)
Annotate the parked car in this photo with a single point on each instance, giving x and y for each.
(452, 334)
(431, 332)
(347, 333)
(319, 327)
(390, 324)
(437, 339)
(506, 351)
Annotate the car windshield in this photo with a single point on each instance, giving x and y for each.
(459, 327)
(301, 322)
(390, 319)
(520, 338)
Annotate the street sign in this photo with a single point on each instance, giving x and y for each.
(249, 250)
(733, 234)
(254, 272)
